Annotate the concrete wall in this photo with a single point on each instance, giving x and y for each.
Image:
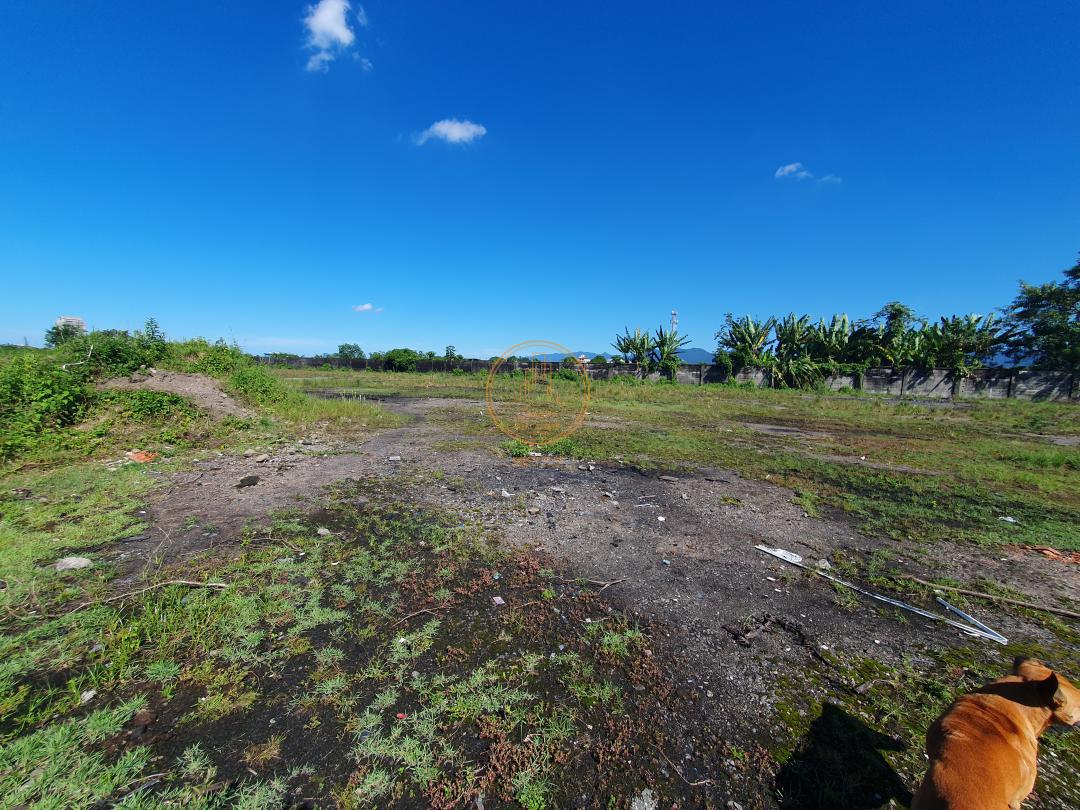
(883, 381)
(933, 384)
(990, 383)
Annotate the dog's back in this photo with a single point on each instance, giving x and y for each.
(983, 750)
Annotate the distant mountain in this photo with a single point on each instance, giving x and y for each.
(694, 356)
(556, 357)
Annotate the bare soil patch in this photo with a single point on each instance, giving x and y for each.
(204, 391)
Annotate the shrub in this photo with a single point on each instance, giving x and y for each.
(722, 360)
(255, 385)
(115, 352)
(400, 360)
(37, 396)
(217, 359)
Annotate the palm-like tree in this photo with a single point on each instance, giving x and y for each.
(665, 351)
(747, 340)
(829, 341)
(636, 347)
(793, 336)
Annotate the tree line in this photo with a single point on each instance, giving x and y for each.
(1039, 329)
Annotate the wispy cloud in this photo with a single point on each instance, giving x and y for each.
(452, 131)
(797, 171)
(329, 34)
(366, 308)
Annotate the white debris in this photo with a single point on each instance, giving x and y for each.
(71, 563)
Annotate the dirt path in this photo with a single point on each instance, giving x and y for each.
(679, 552)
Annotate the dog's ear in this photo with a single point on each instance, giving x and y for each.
(1052, 692)
(1030, 669)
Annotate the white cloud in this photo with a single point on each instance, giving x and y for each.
(795, 170)
(328, 31)
(800, 172)
(361, 17)
(452, 131)
(366, 308)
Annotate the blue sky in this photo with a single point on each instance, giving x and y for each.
(487, 173)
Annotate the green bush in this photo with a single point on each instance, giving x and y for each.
(151, 406)
(115, 352)
(722, 360)
(37, 396)
(400, 360)
(199, 356)
(256, 386)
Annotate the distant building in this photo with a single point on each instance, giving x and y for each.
(71, 320)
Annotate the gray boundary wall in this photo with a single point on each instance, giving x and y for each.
(983, 383)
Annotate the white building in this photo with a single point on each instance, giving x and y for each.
(71, 320)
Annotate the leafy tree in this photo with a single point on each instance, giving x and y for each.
(350, 351)
(793, 336)
(829, 342)
(664, 355)
(599, 360)
(959, 342)
(400, 360)
(450, 353)
(429, 355)
(746, 340)
(636, 347)
(61, 333)
(1044, 323)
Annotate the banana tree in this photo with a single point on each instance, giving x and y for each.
(793, 336)
(747, 340)
(829, 342)
(959, 343)
(665, 351)
(637, 347)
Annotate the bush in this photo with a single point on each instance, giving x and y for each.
(256, 386)
(217, 359)
(722, 360)
(37, 396)
(400, 360)
(115, 352)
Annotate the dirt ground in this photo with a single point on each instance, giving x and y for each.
(204, 391)
(678, 551)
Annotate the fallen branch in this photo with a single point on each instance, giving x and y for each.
(675, 768)
(417, 613)
(604, 584)
(992, 597)
(281, 540)
(188, 582)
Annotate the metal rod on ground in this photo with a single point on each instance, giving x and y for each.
(795, 559)
(1001, 639)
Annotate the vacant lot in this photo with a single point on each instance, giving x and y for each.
(317, 601)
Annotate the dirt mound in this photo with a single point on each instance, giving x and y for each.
(202, 390)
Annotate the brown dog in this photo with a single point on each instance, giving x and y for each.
(983, 750)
